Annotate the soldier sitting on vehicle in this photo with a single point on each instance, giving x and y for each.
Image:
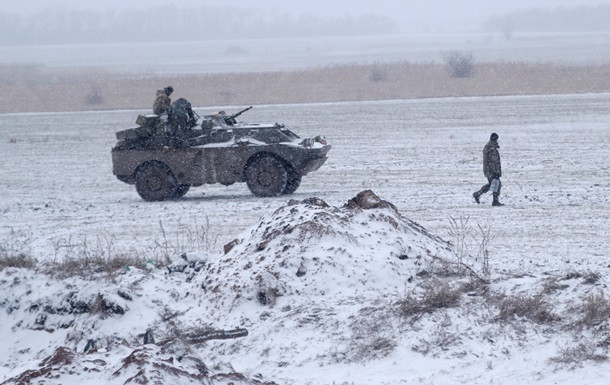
(163, 102)
(180, 121)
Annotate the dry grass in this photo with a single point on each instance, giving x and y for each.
(535, 308)
(89, 257)
(595, 310)
(373, 335)
(574, 357)
(91, 266)
(20, 261)
(28, 89)
(437, 295)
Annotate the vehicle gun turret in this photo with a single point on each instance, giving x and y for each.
(230, 120)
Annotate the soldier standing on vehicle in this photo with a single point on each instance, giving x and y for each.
(492, 169)
(163, 101)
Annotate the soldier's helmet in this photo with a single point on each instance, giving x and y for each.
(168, 90)
(493, 136)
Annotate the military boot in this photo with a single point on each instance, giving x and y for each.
(496, 201)
(476, 195)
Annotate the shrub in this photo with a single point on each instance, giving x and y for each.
(378, 74)
(459, 64)
(534, 308)
(460, 230)
(21, 261)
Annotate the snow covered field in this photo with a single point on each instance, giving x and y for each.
(257, 55)
(60, 199)
(422, 155)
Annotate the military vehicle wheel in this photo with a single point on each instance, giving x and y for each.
(293, 183)
(155, 182)
(181, 191)
(266, 176)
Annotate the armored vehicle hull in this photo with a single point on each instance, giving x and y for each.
(270, 159)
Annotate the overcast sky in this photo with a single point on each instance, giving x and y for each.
(408, 14)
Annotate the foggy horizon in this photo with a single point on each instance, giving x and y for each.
(414, 16)
(214, 36)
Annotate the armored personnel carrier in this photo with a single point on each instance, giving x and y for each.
(164, 159)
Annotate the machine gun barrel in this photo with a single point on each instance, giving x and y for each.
(239, 113)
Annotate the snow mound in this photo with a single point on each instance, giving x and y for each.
(308, 248)
(312, 294)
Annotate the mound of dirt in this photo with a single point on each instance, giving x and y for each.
(309, 248)
(334, 273)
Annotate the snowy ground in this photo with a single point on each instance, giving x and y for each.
(59, 199)
(424, 156)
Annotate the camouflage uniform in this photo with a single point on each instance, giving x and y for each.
(491, 160)
(492, 169)
(162, 103)
(180, 121)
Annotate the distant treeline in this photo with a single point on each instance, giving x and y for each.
(583, 18)
(63, 25)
